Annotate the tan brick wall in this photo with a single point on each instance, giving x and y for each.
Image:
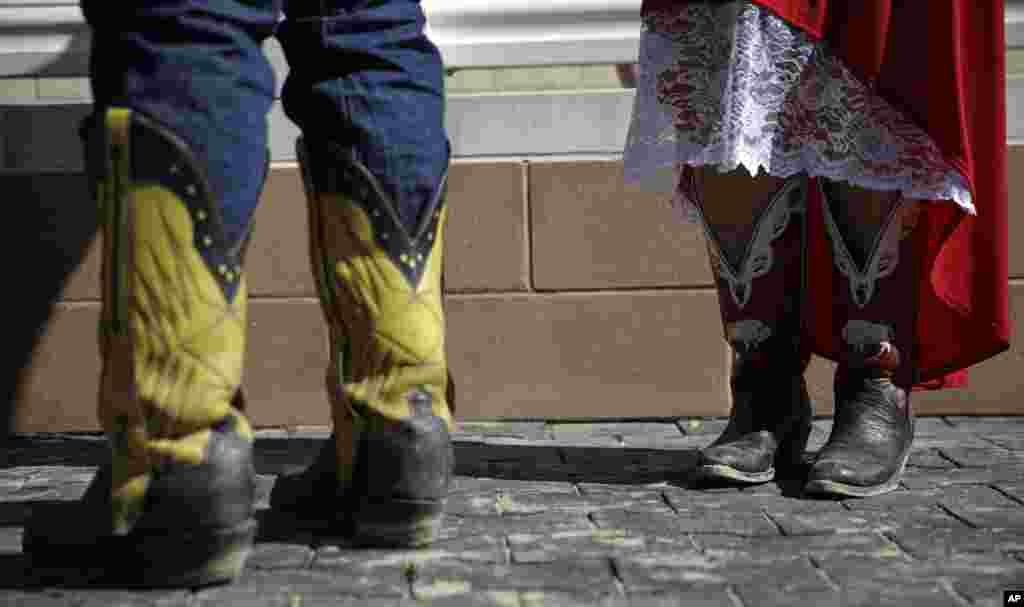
(569, 295)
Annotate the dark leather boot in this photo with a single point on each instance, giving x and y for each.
(384, 475)
(875, 305)
(173, 507)
(760, 296)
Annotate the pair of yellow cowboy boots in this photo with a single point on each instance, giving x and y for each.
(174, 505)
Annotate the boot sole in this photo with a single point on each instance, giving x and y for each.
(826, 487)
(788, 458)
(174, 558)
(397, 523)
(720, 472)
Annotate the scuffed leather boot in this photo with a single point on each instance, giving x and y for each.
(383, 477)
(873, 426)
(760, 296)
(173, 507)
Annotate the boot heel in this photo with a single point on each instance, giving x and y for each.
(397, 522)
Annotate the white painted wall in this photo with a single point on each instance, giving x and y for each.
(47, 39)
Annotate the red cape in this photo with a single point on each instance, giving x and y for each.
(943, 64)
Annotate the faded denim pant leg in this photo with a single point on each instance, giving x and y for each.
(362, 75)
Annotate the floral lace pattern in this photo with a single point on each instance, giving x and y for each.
(729, 84)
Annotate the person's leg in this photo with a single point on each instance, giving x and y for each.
(754, 229)
(366, 88)
(876, 304)
(176, 154)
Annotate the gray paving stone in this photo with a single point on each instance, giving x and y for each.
(547, 598)
(987, 589)
(33, 599)
(929, 458)
(599, 524)
(480, 485)
(992, 518)
(10, 485)
(774, 597)
(955, 440)
(975, 496)
(871, 544)
(121, 598)
(604, 435)
(532, 503)
(929, 479)
(1013, 443)
(354, 572)
(590, 544)
(97, 598)
(917, 595)
(933, 426)
(847, 570)
(269, 556)
(528, 460)
(988, 425)
(616, 434)
(707, 596)
(923, 517)
(473, 548)
(294, 588)
(971, 457)
(602, 494)
(461, 595)
(1013, 490)
(626, 465)
(488, 430)
(664, 524)
(584, 578)
(503, 525)
(901, 499)
(753, 524)
(924, 543)
(825, 523)
(473, 504)
(732, 499)
(651, 572)
(33, 494)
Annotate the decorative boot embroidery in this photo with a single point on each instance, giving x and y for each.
(884, 256)
(758, 259)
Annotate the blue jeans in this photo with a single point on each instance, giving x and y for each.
(362, 73)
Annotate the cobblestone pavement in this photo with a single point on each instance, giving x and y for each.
(602, 514)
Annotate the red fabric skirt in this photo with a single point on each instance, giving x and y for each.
(942, 63)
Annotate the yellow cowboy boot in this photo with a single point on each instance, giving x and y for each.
(173, 507)
(384, 476)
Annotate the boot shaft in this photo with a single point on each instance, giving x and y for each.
(380, 287)
(761, 293)
(172, 333)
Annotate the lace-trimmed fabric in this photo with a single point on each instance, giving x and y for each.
(729, 84)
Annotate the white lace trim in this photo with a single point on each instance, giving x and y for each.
(729, 84)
